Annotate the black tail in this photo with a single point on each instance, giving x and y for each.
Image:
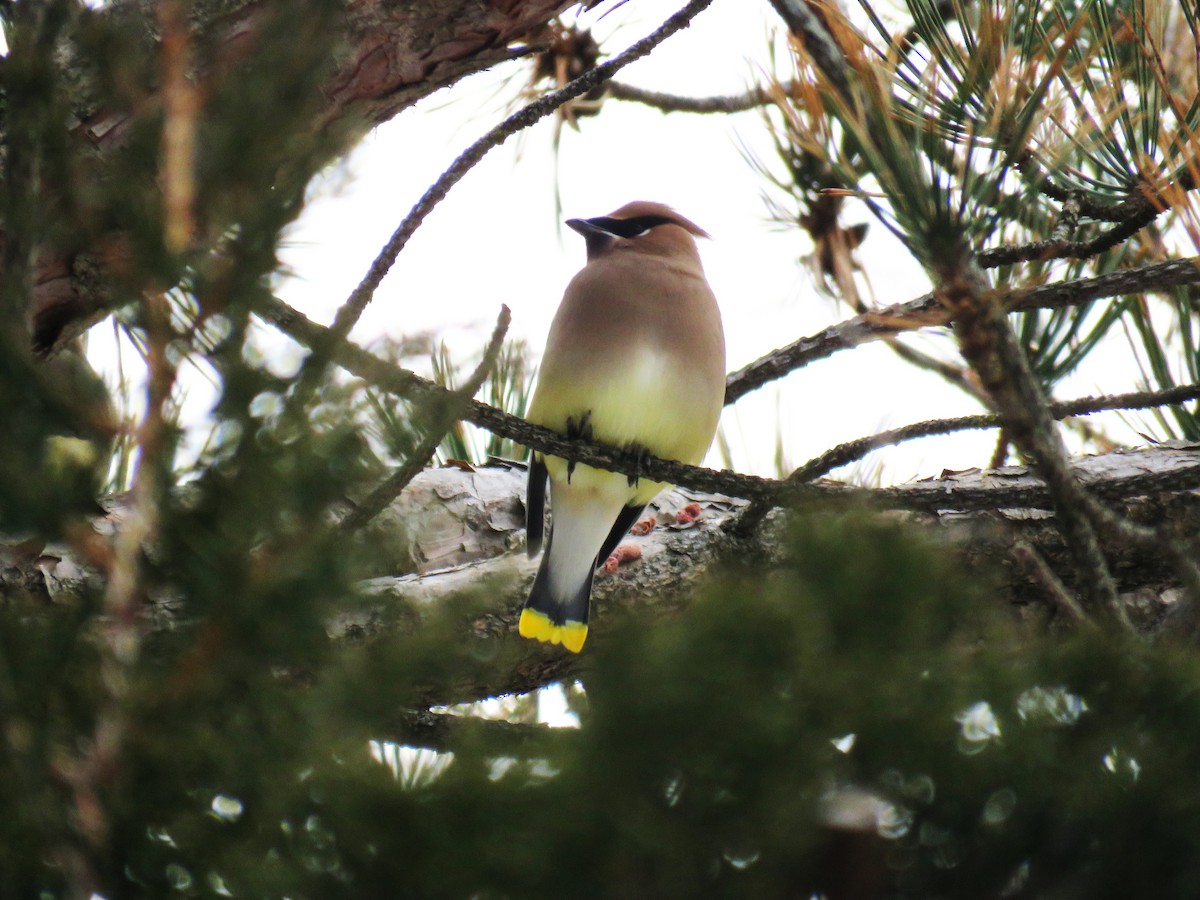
(625, 520)
(535, 505)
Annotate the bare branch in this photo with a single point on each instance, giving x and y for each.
(1039, 570)
(668, 103)
(848, 452)
(1064, 249)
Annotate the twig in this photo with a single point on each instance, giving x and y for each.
(350, 311)
(839, 265)
(925, 312)
(806, 23)
(181, 105)
(1141, 207)
(668, 103)
(443, 413)
(1063, 249)
(1039, 570)
(1000, 451)
(850, 451)
(121, 633)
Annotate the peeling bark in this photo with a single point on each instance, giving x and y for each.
(462, 528)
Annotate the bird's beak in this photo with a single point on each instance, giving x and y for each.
(597, 238)
(586, 228)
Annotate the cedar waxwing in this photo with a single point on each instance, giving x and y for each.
(635, 358)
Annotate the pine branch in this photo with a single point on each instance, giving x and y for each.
(390, 55)
(925, 312)
(806, 22)
(1064, 249)
(493, 661)
(674, 562)
(1047, 579)
(988, 343)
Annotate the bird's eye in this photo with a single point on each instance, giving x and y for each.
(629, 228)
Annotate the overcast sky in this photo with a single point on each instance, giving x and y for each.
(494, 239)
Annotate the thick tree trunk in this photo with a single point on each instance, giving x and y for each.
(459, 529)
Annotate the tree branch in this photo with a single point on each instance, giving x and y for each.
(1047, 579)
(848, 452)
(673, 562)
(489, 512)
(987, 341)
(390, 377)
(805, 21)
(390, 56)
(442, 417)
(1064, 249)
(668, 103)
(925, 312)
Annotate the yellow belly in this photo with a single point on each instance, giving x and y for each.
(647, 401)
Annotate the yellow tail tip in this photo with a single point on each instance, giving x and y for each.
(537, 625)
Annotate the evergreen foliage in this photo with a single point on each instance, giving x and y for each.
(856, 718)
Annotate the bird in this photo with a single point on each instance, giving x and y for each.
(635, 358)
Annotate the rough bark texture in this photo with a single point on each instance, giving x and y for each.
(394, 55)
(401, 52)
(463, 528)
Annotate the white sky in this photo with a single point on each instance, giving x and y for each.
(494, 239)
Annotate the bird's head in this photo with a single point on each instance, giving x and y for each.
(642, 227)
